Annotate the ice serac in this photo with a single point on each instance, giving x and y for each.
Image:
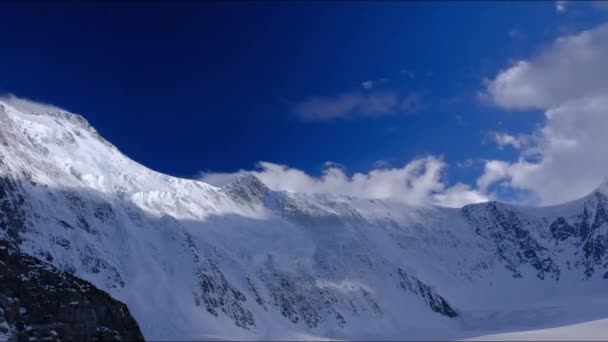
(194, 261)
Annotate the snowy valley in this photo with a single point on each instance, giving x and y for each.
(195, 261)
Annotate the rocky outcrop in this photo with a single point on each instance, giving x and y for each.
(586, 232)
(12, 213)
(38, 302)
(427, 293)
(511, 234)
(246, 189)
(214, 292)
(595, 245)
(561, 230)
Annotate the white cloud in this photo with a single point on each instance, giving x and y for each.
(369, 84)
(371, 104)
(458, 196)
(494, 170)
(416, 183)
(560, 6)
(571, 68)
(468, 163)
(217, 178)
(566, 159)
(504, 139)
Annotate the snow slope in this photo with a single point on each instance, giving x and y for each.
(589, 331)
(195, 261)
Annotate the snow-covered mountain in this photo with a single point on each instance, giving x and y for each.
(194, 261)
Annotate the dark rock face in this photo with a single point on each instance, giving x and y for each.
(561, 230)
(12, 214)
(587, 231)
(595, 245)
(515, 245)
(427, 293)
(246, 188)
(292, 304)
(307, 301)
(215, 291)
(38, 302)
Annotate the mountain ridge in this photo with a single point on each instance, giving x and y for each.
(246, 262)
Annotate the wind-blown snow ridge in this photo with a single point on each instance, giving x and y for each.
(245, 262)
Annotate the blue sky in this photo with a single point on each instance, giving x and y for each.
(218, 87)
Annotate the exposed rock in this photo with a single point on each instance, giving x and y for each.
(38, 302)
(215, 292)
(246, 188)
(12, 213)
(427, 293)
(561, 230)
(509, 231)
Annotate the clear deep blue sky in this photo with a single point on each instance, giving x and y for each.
(188, 86)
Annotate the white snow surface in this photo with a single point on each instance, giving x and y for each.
(588, 331)
(194, 261)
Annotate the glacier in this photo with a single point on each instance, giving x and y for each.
(244, 262)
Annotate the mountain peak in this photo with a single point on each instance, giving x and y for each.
(246, 187)
(47, 118)
(29, 107)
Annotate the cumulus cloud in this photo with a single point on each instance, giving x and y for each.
(571, 68)
(368, 104)
(560, 6)
(416, 183)
(569, 81)
(495, 170)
